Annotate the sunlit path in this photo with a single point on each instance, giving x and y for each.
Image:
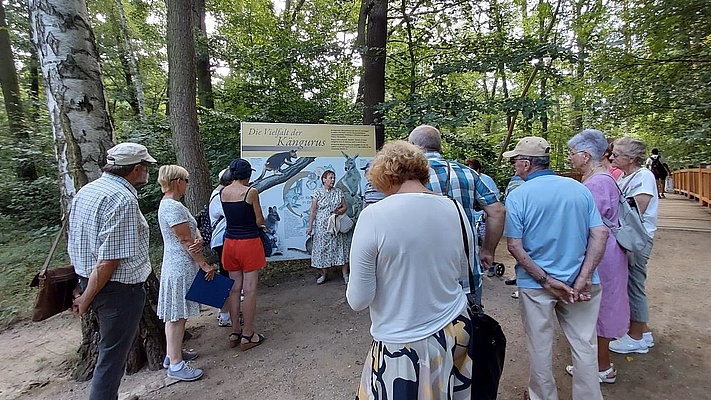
(678, 213)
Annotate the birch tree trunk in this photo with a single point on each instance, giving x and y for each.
(82, 133)
(75, 95)
(183, 110)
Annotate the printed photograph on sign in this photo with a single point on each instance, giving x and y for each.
(290, 161)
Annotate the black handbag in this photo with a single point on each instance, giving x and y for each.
(266, 243)
(56, 287)
(487, 342)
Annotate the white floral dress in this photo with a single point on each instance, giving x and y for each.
(328, 250)
(178, 269)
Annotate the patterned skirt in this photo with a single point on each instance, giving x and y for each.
(437, 367)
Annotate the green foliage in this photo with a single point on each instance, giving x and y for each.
(23, 252)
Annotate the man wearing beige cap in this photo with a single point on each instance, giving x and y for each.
(108, 246)
(557, 237)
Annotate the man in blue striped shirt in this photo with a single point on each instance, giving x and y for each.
(464, 185)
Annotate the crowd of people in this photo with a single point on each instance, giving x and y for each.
(406, 263)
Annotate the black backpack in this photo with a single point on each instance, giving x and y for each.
(203, 223)
(658, 168)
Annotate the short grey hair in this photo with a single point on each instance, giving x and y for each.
(633, 148)
(226, 178)
(427, 137)
(540, 161)
(590, 141)
(119, 170)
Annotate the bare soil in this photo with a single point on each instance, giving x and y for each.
(316, 344)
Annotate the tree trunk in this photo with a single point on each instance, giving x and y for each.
(34, 86)
(183, 111)
(202, 55)
(133, 76)
(13, 104)
(373, 25)
(82, 133)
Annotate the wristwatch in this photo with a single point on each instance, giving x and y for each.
(543, 279)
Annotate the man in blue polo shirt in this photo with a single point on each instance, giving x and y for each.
(557, 237)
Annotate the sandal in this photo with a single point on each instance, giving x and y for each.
(249, 343)
(235, 339)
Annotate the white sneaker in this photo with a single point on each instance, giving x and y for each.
(320, 280)
(647, 336)
(626, 345)
(346, 277)
(602, 376)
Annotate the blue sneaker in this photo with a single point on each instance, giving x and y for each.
(187, 373)
(187, 356)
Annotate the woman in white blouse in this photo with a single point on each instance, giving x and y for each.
(407, 262)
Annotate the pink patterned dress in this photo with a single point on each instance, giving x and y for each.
(614, 313)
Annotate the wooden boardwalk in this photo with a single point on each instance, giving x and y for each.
(678, 213)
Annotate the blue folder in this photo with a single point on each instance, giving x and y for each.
(213, 293)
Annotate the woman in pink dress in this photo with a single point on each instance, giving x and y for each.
(587, 149)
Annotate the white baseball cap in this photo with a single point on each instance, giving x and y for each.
(128, 154)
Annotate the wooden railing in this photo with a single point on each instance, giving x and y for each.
(694, 183)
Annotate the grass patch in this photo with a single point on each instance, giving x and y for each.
(23, 252)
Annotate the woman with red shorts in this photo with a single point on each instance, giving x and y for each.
(242, 252)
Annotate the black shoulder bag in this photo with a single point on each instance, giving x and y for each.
(487, 342)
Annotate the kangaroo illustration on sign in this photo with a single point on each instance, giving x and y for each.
(278, 160)
(293, 192)
(350, 186)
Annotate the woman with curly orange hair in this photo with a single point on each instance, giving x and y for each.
(407, 262)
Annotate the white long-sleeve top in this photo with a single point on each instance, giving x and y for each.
(217, 219)
(407, 261)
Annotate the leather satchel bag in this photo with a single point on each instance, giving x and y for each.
(56, 287)
(487, 342)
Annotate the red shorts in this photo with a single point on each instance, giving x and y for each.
(244, 255)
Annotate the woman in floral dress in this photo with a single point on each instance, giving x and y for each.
(328, 250)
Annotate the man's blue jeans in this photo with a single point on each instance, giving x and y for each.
(118, 308)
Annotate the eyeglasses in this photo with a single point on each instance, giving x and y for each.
(572, 153)
(617, 155)
(186, 180)
(513, 160)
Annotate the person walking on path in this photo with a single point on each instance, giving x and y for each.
(587, 150)
(464, 185)
(182, 256)
(659, 168)
(638, 186)
(108, 246)
(557, 237)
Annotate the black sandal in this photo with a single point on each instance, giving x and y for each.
(235, 339)
(250, 343)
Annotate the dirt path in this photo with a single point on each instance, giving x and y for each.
(316, 344)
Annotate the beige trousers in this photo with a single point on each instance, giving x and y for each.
(538, 312)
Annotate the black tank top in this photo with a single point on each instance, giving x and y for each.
(240, 218)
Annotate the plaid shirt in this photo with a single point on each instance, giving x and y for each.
(105, 223)
(465, 185)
